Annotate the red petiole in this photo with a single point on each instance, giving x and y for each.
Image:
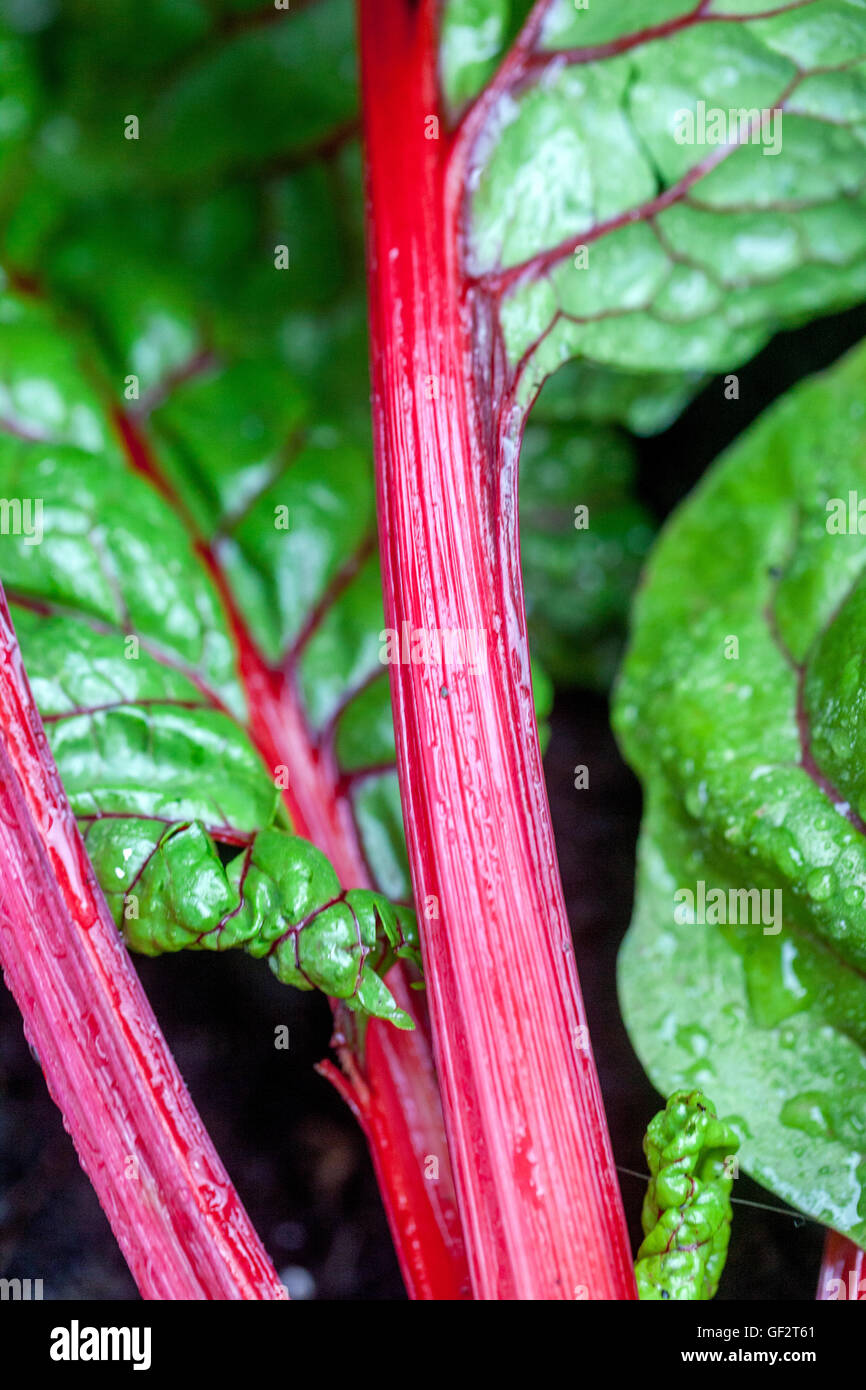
(172, 1207)
(535, 1179)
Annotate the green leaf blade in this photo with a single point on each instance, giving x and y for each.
(750, 756)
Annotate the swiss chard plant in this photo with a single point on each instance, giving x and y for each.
(259, 694)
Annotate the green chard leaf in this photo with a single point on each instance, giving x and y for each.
(663, 182)
(134, 670)
(246, 382)
(654, 189)
(740, 706)
(217, 96)
(160, 332)
(686, 1214)
(474, 38)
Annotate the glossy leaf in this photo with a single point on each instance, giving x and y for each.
(740, 706)
(133, 667)
(250, 391)
(660, 226)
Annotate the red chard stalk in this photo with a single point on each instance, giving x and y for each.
(177, 1218)
(534, 1173)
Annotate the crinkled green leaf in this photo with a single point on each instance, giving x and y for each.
(686, 1214)
(279, 898)
(626, 265)
(134, 670)
(740, 705)
(697, 245)
(287, 500)
(571, 25)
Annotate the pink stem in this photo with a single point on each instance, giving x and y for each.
(178, 1220)
(535, 1180)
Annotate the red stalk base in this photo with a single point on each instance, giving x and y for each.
(177, 1218)
(843, 1270)
(534, 1173)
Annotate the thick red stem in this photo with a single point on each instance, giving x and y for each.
(178, 1220)
(535, 1179)
(843, 1270)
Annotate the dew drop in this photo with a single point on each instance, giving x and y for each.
(820, 885)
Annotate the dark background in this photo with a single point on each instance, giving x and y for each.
(291, 1146)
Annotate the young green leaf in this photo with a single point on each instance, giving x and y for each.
(279, 899)
(659, 227)
(740, 706)
(686, 1214)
